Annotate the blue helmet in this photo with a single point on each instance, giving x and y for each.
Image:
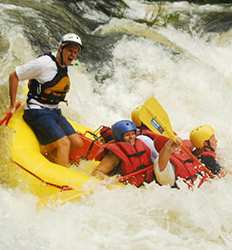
(121, 127)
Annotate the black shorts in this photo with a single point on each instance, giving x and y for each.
(49, 125)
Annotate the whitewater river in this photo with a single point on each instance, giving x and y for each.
(187, 68)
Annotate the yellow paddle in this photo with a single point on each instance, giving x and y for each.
(153, 115)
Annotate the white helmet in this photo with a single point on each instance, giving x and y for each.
(71, 38)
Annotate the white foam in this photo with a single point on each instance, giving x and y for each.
(193, 92)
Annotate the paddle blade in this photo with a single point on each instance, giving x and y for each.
(153, 115)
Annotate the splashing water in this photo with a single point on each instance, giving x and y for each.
(193, 90)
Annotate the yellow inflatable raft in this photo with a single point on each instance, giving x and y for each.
(34, 173)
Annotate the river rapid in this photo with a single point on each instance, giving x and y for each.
(180, 53)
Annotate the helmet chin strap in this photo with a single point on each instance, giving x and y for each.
(61, 57)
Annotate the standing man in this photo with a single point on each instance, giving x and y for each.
(48, 84)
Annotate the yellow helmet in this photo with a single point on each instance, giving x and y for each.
(135, 116)
(201, 134)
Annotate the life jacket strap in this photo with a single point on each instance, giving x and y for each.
(137, 154)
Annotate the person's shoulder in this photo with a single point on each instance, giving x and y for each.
(44, 58)
(144, 138)
(44, 61)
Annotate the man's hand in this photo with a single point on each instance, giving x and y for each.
(12, 108)
(171, 146)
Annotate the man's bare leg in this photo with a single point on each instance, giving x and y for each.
(48, 153)
(76, 141)
(58, 151)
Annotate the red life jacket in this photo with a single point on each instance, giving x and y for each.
(159, 140)
(187, 167)
(136, 166)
